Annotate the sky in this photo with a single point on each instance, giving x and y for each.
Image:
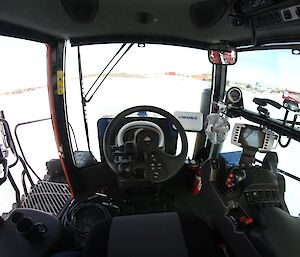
(149, 59)
(24, 63)
(272, 68)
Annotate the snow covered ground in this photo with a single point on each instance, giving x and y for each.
(38, 141)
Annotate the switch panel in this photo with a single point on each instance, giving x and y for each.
(291, 13)
(277, 17)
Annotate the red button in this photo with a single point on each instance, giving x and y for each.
(246, 220)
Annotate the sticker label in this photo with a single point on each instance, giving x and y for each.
(191, 121)
(60, 82)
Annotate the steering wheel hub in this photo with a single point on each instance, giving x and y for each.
(146, 140)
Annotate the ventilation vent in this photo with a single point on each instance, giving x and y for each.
(48, 197)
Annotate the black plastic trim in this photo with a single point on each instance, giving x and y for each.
(139, 39)
(11, 30)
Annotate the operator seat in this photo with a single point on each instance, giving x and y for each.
(148, 235)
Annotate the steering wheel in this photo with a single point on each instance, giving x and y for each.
(144, 152)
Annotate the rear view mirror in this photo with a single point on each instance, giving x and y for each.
(222, 54)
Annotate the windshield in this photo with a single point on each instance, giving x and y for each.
(172, 78)
(271, 74)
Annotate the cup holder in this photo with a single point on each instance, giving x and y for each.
(29, 230)
(16, 216)
(24, 225)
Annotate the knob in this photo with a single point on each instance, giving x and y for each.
(124, 169)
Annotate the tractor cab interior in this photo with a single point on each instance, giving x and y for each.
(161, 152)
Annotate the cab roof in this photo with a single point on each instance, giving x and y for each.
(197, 23)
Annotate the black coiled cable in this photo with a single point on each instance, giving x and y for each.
(71, 215)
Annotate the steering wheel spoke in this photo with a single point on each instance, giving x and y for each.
(160, 165)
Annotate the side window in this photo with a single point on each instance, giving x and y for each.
(24, 98)
(268, 74)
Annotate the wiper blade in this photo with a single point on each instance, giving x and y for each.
(88, 99)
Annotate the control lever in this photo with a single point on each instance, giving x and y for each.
(264, 102)
(235, 177)
(237, 216)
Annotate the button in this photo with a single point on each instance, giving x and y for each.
(259, 21)
(298, 11)
(246, 220)
(277, 17)
(271, 18)
(287, 14)
(215, 164)
(261, 195)
(248, 196)
(265, 20)
(254, 195)
(268, 195)
(275, 195)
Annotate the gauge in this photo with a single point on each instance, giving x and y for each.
(286, 93)
(234, 95)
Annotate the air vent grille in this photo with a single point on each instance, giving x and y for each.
(46, 196)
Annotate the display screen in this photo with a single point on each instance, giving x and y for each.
(252, 137)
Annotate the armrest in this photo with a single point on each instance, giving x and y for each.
(277, 233)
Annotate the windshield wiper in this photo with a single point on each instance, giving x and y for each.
(89, 98)
(282, 172)
(84, 97)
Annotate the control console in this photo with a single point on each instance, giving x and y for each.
(244, 191)
(28, 232)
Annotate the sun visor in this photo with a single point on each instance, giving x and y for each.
(191, 121)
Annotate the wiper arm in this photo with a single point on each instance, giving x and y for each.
(88, 99)
(91, 87)
(282, 172)
(84, 98)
